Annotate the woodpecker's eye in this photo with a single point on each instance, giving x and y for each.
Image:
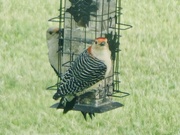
(50, 32)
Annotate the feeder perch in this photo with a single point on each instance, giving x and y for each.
(80, 22)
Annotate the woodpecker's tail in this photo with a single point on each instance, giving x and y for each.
(69, 105)
(66, 105)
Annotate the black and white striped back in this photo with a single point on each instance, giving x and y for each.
(85, 71)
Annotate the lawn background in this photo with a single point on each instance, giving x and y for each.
(150, 70)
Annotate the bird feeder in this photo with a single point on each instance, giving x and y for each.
(80, 22)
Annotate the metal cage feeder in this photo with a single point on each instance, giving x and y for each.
(80, 22)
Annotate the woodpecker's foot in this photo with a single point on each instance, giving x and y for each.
(90, 115)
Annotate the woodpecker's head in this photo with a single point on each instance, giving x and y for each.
(52, 33)
(101, 43)
(100, 48)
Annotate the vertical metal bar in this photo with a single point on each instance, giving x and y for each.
(118, 63)
(85, 36)
(102, 15)
(108, 17)
(59, 42)
(96, 22)
(117, 59)
(70, 40)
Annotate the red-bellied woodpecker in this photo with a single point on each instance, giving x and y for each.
(52, 37)
(85, 73)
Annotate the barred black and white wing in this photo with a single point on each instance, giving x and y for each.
(85, 71)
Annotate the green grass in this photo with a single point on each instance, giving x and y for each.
(150, 69)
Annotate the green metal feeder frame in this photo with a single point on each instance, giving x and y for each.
(80, 22)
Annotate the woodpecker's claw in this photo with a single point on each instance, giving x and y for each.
(90, 115)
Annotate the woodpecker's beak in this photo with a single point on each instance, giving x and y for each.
(102, 44)
(56, 30)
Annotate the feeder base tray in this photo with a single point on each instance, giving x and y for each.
(94, 109)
